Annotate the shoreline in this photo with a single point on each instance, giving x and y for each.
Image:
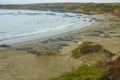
(72, 32)
(79, 33)
(20, 62)
(85, 21)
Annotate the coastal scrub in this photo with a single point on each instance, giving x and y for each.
(83, 73)
(87, 48)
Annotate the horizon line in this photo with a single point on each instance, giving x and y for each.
(60, 3)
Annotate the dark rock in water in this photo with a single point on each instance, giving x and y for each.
(33, 51)
(85, 20)
(98, 20)
(51, 14)
(66, 15)
(94, 19)
(19, 12)
(5, 45)
(78, 15)
(90, 20)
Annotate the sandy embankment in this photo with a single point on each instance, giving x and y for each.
(17, 64)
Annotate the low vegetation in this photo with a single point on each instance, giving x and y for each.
(98, 9)
(110, 71)
(86, 48)
(83, 73)
(113, 70)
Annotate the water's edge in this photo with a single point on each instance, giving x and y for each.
(43, 33)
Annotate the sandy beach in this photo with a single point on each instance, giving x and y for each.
(20, 62)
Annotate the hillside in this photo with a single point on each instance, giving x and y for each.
(87, 8)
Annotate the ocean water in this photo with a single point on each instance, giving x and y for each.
(24, 25)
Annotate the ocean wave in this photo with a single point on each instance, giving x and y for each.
(21, 35)
(27, 13)
(42, 30)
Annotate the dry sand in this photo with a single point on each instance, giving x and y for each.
(20, 65)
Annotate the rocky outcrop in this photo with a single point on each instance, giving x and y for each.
(55, 44)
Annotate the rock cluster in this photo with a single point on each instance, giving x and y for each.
(56, 44)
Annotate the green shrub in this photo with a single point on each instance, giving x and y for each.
(83, 73)
(97, 47)
(85, 48)
(88, 47)
(76, 53)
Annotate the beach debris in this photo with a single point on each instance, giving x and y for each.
(67, 15)
(79, 42)
(19, 12)
(33, 51)
(24, 48)
(91, 20)
(4, 46)
(98, 20)
(50, 13)
(63, 38)
(85, 20)
(99, 33)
